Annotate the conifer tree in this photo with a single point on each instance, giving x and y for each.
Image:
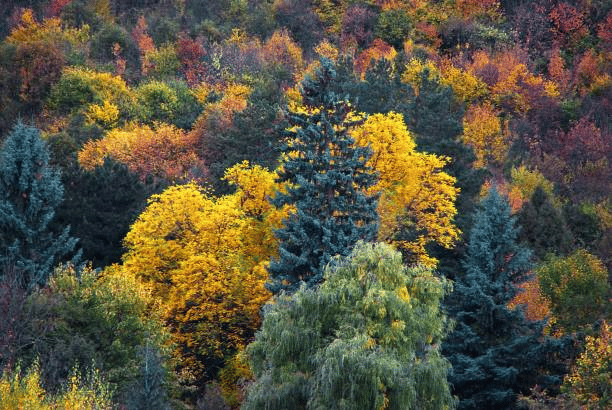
(149, 389)
(326, 176)
(543, 226)
(493, 350)
(30, 191)
(100, 206)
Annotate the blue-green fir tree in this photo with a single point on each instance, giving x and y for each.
(30, 191)
(494, 350)
(326, 176)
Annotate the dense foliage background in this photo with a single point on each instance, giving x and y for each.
(215, 204)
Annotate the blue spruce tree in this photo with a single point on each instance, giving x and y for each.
(30, 191)
(494, 351)
(327, 177)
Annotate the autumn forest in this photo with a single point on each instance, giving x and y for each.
(305, 204)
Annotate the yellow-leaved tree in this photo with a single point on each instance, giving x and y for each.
(204, 258)
(482, 130)
(417, 202)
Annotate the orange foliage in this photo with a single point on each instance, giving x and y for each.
(477, 8)
(557, 71)
(165, 151)
(429, 32)
(144, 41)
(281, 50)
(190, 53)
(511, 82)
(587, 69)
(379, 49)
(568, 24)
(535, 305)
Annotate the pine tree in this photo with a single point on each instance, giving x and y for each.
(366, 338)
(30, 191)
(326, 177)
(493, 350)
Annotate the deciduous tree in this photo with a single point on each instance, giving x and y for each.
(417, 199)
(577, 288)
(205, 259)
(366, 338)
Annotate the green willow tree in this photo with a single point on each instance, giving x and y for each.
(367, 338)
(30, 191)
(327, 177)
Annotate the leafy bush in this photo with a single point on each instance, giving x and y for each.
(89, 318)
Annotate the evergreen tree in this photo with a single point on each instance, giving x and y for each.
(100, 206)
(493, 350)
(326, 177)
(543, 227)
(149, 391)
(367, 338)
(30, 191)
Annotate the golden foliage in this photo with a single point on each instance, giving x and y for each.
(515, 85)
(327, 50)
(482, 131)
(413, 70)
(50, 30)
(280, 49)
(105, 115)
(466, 86)
(221, 113)
(107, 87)
(186, 245)
(523, 184)
(590, 381)
(205, 259)
(25, 392)
(415, 193)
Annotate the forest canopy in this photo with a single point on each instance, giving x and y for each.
(236, 203)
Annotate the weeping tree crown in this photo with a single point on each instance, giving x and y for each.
(30, 191)
(326, 178)
(367, 338)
